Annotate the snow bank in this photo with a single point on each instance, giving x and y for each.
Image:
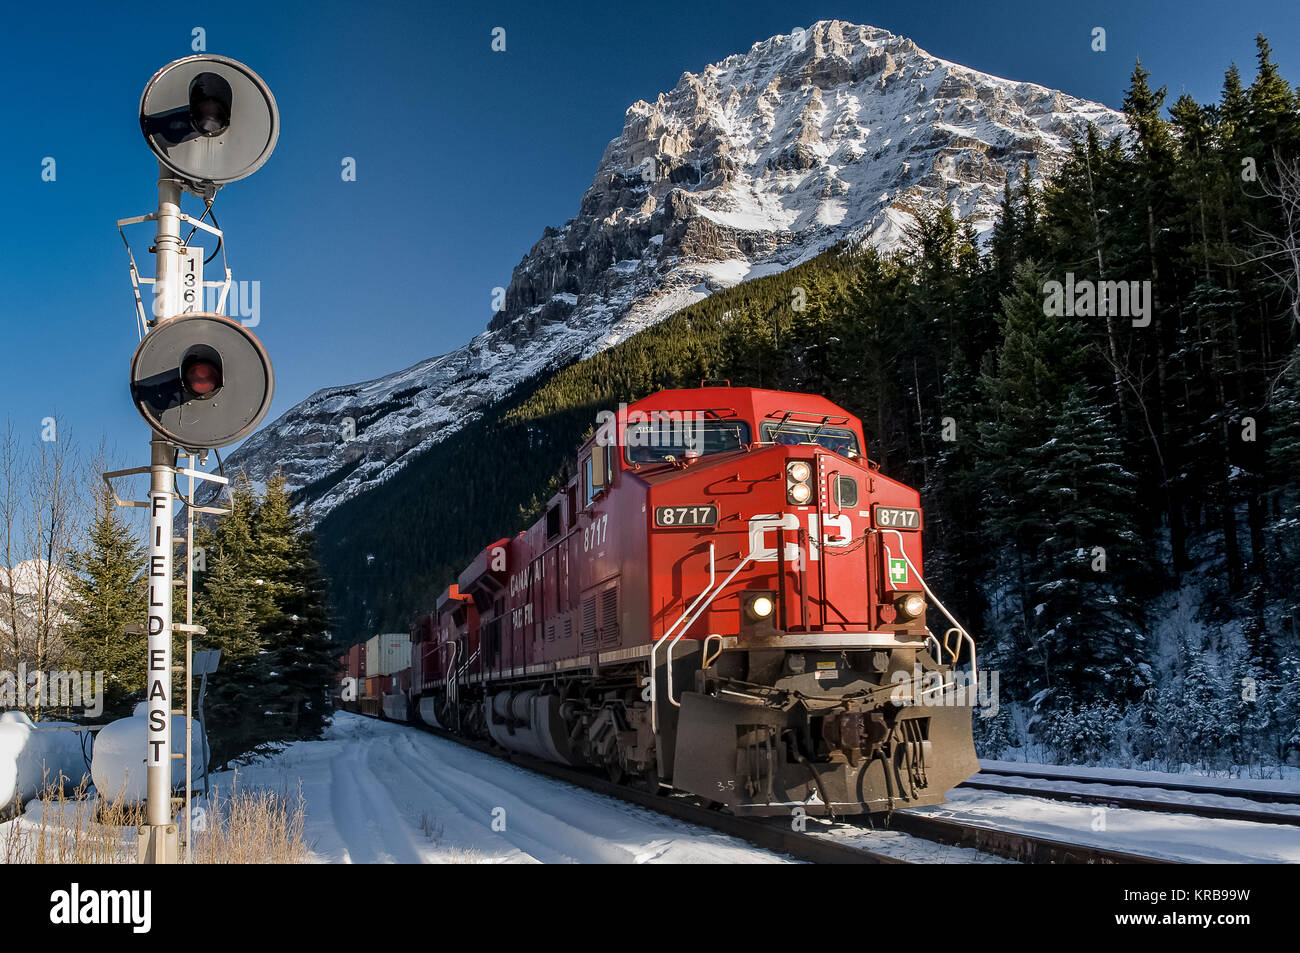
(33, 756)
(118, 766)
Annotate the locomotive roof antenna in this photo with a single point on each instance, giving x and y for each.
(209, 121)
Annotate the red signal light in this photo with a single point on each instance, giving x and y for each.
(201, 377)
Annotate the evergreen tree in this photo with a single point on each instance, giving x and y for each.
(228, 601)
(298, 661)
(1083, 618)
(1056, 493)
(263, 603)
(108, 588)
(1273, 105)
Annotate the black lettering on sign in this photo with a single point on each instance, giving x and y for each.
(157, 721)
(156, 567)
(157, 662)
(157, 750)
(155, 625)
(156, 690)
(159, 504)
(152, 600)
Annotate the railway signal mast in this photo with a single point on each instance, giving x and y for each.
(200, 379)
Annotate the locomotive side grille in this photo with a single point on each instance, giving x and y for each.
(550, 630)
(588, 621)
(609, 616)
(568, 627)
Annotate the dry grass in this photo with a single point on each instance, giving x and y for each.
(256, 826)
(251, 826)
(71, 829)
(430, 826)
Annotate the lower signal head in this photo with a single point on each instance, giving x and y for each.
(202, 381)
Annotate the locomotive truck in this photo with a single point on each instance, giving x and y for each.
(726, 599)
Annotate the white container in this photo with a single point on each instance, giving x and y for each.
(394, 652)
(118, 766)
(33, 756)
(388, 654)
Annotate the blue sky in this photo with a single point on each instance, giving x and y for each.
(463, 155)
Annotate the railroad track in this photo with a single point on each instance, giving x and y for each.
(1014, 845)
(1253, 794)
(1099, 796)
(776, 837)
(776, 834)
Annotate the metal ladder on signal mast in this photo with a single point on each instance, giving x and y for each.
(188, 627)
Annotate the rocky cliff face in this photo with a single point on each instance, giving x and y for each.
(840, 132)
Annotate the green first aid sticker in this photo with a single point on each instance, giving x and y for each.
(898, 571)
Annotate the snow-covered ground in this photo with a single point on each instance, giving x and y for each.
(1181, 837)
(380, 792)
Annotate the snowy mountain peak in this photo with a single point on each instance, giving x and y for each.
(746, 168)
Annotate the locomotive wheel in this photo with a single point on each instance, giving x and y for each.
(650, 780)
(616, 773)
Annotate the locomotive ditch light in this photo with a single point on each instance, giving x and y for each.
(759, 605)
(202, 381)
(910, 605)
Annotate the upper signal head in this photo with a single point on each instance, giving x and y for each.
(209, 119)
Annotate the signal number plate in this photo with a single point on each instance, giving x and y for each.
(893, 517)
(679, 516)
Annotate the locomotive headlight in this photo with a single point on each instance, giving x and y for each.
(797, 488)
(759, 606)
(911, 606)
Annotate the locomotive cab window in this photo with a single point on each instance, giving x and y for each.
(846, 491)
(595, 473)
(790, 433)
(676, 436)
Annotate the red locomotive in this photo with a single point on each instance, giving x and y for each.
(727, 600)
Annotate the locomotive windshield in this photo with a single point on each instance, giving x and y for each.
(839, 440)
(672, 437)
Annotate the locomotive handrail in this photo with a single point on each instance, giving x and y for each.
(970, 640)
(711, 596)
(451, 667)
(654, 648)
(708, 660)
(833, 420)
(468, 662)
